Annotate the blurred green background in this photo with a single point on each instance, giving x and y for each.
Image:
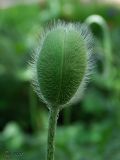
(89, 130)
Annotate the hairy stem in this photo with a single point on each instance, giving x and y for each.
(51, 133)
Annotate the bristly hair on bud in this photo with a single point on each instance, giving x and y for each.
(62, 63)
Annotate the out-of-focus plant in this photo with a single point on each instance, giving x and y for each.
(60, 69)
(13, 136)
(109, 79)
(107, 46)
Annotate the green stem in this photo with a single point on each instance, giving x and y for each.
(51, 134)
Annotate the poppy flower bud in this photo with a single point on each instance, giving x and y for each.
(62, 63)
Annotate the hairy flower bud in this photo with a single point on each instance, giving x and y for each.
(61, 64)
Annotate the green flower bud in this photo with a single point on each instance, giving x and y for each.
(61, 64)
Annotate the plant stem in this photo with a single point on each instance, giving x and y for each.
(51, 133)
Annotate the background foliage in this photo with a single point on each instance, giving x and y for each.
(89, 130)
